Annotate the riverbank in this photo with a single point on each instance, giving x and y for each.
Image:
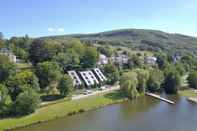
(63, 109)
(188, 93)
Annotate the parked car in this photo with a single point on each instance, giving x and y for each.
(86, 92)
(102, 88)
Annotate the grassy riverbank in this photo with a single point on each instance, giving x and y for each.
(62, 109)
(188, 93)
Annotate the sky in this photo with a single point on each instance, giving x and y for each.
(57, 17)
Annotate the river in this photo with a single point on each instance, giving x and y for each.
(144, 114)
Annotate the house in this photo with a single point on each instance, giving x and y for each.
(99, 74)
(89, 78)
(151, 60)
(103, 60)
(74, 76)
(120, 59)
(9, 54)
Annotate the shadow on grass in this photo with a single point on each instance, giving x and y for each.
(115, 95)
(47, 98)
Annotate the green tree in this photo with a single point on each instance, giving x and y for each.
(68, 60)
(155, 80)
(106, 50)
(162, 60)
(111, 73)
(5, 101)
(76, 46)
(180, 68)
(192, 79)
(44, 50)
(49, 74)
(27, 102)
(65, 85)
(142, 76)
(135, 62)
(7, 68)
(129, 83)
(21, 53)
(90, 57)
(172, 82)
(18, 82)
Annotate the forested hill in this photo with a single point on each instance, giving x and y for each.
(140, 39)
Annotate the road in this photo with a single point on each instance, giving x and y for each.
(108, 89)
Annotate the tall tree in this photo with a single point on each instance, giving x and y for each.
(7, 69)
(65, 85)
(44, 50)
(172, 82)
(49, 74)
(129, 83)
(142, 76)
(90, 57)
(5, 101)
(18, 82)
(112, 73)
(155, 80)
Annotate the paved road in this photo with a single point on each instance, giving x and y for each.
(108, 89)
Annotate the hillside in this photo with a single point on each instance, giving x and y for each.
(141, 39)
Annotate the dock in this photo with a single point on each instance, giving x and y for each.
(160, 98)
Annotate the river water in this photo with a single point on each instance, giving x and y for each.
(144, 114)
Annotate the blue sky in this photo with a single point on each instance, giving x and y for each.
(55, 17)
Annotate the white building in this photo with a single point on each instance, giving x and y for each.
(89, 78)
(100, 75)
(9, 54)
(103, 60)
(150, 60)
(120, 59)
(75, 78)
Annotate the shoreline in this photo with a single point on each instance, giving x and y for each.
(88, 104)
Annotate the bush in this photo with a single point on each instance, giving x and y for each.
(81, 110)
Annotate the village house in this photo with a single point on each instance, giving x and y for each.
(150, 60)
(103, 59)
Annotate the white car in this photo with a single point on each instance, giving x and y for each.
(102, 88)
(86, 92)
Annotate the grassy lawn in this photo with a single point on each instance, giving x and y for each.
(188, 93)
(62, 109)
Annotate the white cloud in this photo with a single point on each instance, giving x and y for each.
(50, 29)
(55, 29)
(60, 29)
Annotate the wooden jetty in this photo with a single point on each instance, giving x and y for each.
(160, 98)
